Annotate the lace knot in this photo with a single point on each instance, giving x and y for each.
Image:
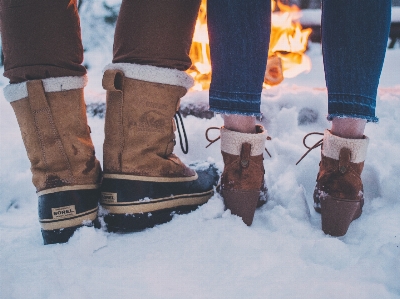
(310, 148)
(212, 140)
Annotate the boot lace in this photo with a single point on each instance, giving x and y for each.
(176, 116)
(219, 137)
(310, 148)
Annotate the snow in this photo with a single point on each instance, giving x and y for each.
(211, 253)
(310, 17)
(395, 14)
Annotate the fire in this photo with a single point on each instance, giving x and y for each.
(286, 58)
(288, 40)
(200, 52)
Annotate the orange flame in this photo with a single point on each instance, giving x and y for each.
(200, 52)
(288, 42)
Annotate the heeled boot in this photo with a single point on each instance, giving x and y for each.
(242, 182)
(338, 194)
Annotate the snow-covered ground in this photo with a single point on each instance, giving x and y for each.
(211, 253)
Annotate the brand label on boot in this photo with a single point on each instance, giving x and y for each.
(108, 197)
(63, 212)
(156, 105)
(151, 121)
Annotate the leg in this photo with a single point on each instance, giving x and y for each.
(43, 52)
(156, 33)
(41, 39)
(240, 123)
(144, 182)
(352, 128)
(239, 37)
(354, 41)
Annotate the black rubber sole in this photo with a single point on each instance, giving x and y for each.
(125, 223)
(63, 235)
(62, 213)
(133, 205)
(58, 235)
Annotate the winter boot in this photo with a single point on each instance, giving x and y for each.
(51, 114)
(242, 181)
(338, 195)
(144, 182)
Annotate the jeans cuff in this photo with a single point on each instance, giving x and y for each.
(235, 103)
(353, 106)
(341, 115)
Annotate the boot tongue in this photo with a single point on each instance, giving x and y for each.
(344, 159)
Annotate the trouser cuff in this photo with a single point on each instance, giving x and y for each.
(235, 103)
(352, 106)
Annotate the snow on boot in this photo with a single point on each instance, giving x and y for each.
(242, 181)
(144, 182)
(51, 114)
(338, 195)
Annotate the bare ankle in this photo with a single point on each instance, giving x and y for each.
(352, 128)
(240, 123)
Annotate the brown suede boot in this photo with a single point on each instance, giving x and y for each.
(51, 114)
(242, 181)
(144, 182)
(338, 195)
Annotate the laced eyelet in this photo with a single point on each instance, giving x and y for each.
(184, 150)
(244, 163)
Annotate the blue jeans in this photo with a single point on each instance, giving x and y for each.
(354, 39)
(239, 33)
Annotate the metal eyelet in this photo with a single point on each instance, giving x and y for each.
(244, 163)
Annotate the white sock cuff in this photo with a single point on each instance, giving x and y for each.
(18, 91)
(153, 74)
(231, 141)
(333, 144)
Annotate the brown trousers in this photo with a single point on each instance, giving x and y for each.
(42, 38)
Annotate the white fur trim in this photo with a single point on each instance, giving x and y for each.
(153, 74)
(231, 142)
(15, 92)
(333, 144)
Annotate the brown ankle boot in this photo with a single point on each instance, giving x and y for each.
(51, 114)
(144, 182)
(338, 195)
(242, 181)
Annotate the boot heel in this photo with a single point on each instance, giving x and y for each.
(58, 235)
(62, 213)
(337, 214)
(64, 234)
(242, 203)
